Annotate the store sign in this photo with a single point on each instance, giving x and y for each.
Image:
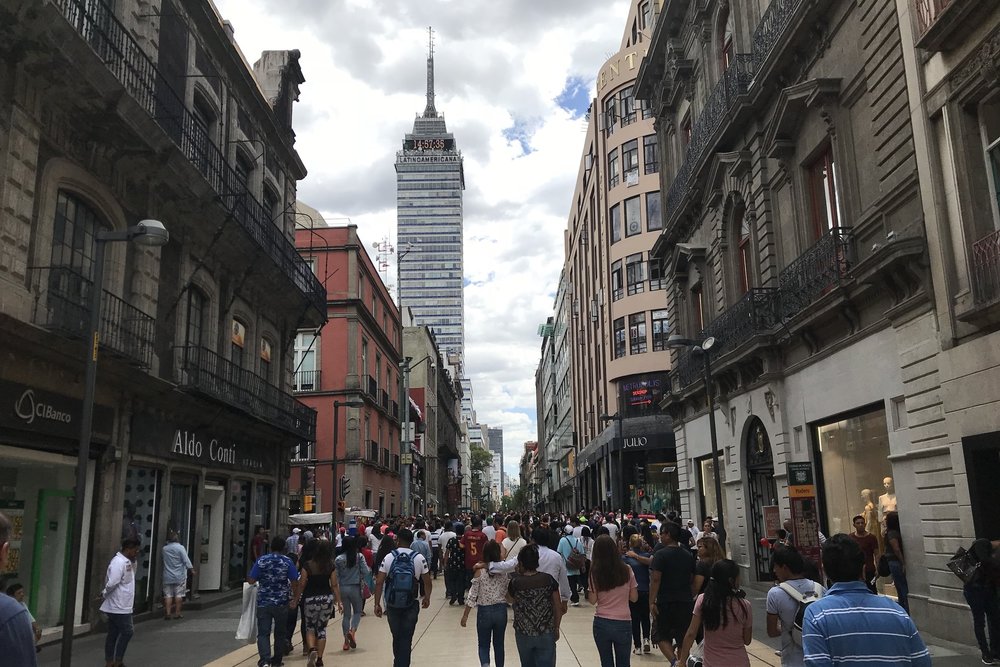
(800, 481)
(202, 446)
(805, 518)
(643, 394)
(27, 408)
(646, 441)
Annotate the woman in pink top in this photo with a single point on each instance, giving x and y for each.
(612, 587)
(727, 617)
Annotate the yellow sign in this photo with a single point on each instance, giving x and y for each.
(308, 503)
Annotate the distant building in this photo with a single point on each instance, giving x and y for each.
(495, 438)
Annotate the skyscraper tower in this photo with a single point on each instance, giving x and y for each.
(429, 183)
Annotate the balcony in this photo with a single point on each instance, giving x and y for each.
(986, 269)
(817, 271)
(372, 387)
(204, 371)
(945, 24)
(385, 399)
(394, 409)
(721, 104)
(97, 25)
(771, 33)
(306, 381)
(62, 305)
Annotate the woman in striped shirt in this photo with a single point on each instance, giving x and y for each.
(489, 593)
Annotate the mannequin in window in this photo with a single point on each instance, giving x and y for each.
(887, 501)
(870, 514)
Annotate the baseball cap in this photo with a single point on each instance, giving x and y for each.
(296, 530)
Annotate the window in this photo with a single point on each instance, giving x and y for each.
(993, 158)
(822, 178)
(237, 340)
(633, 217)
(244, 170)
(271, 205)
(616, 281)
(364, 357)
(635, 271)
(614, 177)
(661, 330)
(647, 109)
(627, 106)
(630, 161)
(306, 369)
(697, 309)
(616, 223)
(653, 218)
(203, 129)
(265, 359)
(196, 317)
(361, 287)
(645, 14)
(650, 154)
(685, 131)
(368, 497)
(656, 278)
(619, 327)
(637, 333)
(378, 368)
(745, 258)
(74, 230)
(727, 49)
(610, 114)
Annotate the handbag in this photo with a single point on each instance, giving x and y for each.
(964, 565)
(883, 566)
(365, 591)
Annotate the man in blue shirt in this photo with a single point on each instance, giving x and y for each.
(17, 641)
(851, 625)
(276, 576)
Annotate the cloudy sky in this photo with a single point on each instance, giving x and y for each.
(513, 79)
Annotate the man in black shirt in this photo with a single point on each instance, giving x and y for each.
(671, 603)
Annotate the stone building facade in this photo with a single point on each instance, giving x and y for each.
(111, 113)
(793, 235)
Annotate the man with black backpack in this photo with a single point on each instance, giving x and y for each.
(398, 576)
(787, 602)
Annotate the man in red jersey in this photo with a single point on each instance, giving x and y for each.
(473, 541)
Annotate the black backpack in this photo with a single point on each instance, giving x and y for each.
(803, 600)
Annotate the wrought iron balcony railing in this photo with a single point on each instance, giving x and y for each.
(63, 306)
(97, 24)
(928, 12)
(771, 31)
(214, 375)
(372, 387)
(986, 269)
(816, 271)
(752, 315)
(705, 133)
(385, 399)
(307, 381)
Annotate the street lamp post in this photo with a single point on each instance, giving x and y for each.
(336, 432)
(705, 347)
(149, 233)
(609, 458)
(405, 443)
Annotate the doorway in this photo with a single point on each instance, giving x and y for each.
(53, 541)
(762, 491)
(982, 463)
(212, 515)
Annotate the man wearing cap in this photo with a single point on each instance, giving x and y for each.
(292, 543)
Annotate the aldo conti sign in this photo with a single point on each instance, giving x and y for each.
(211, 448)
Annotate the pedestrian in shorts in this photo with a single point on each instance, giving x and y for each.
(176, 566)
(671, 572)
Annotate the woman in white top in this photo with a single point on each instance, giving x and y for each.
(489, 594)
(513, 543)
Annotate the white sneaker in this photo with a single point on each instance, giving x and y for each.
(646, 648)
(636, 651)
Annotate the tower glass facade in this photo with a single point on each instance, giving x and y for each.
(429, 184)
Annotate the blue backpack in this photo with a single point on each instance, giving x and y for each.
(400, 583)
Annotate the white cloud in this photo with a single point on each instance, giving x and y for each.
(497, 64)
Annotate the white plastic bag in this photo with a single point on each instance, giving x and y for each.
(247, 629)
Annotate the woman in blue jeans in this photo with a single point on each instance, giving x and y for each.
(534, 597)
(489, 594)
(352, 570)
(612, 587)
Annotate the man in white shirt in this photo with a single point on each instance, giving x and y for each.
(782, 605)
(612, 527)
(117, 600)
(436, 549)
(693, 529)
(550, 562)
(403, 620)
(489, 531)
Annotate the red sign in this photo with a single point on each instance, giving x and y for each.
(772, 521)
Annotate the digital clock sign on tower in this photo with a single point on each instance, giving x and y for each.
(429, 184)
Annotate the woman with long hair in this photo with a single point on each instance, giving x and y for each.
(319, 591)
(646, 531)
(612, 590)
(534, 597)
(385, 547)
(726, 614)
(709, 553)
(488, 593)
(514, 542)
(352, 574)
(637, 558)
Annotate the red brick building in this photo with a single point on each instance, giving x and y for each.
(354, 359)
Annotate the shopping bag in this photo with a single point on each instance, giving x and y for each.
(247, 628)
(697, 655)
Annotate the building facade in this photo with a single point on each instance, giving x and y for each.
(354, 359)
(794, 237)
(495, 437)
(146, 116)
(429, 182)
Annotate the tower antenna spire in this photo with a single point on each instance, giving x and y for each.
(430, 111)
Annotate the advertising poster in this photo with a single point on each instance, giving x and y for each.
(14, 509)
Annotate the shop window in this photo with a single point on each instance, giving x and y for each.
(617, 291)
(707, 484)
(73, 237)
(656, 490)
(633, 216)
(614, 177)
(821, 175)
(661, 329)
(650, 154)
(615, 221)
(197, 305)
(654, 220)
(853, 472)
(630, 162)
(239, 527)
(635, 274)
(637, 333)
(619, 336)
(139, 516)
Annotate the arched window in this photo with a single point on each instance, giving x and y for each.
(237, 340)
(74, 233)
(265, 359)
(745, 255)
(244, 170)
(727, 49)
(197, 305)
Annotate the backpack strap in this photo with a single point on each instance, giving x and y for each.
(791, 591)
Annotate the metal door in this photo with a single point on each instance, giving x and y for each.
(762, 491)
